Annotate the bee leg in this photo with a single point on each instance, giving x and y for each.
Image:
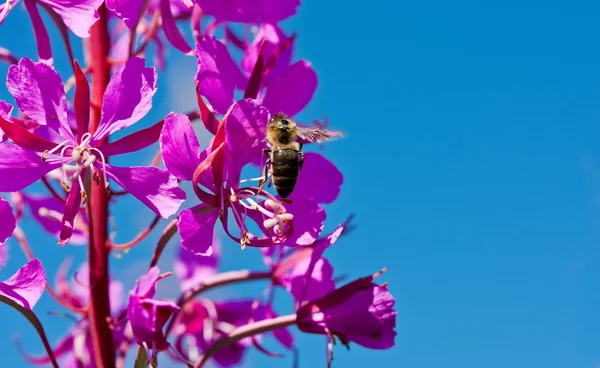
(267, 152)
(265, 177)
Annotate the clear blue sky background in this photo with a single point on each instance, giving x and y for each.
(472, 162)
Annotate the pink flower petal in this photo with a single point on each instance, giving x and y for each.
(126, 10)
(134, 141)
(42, 38)
(273, 38)
(24, 167)
(244, 132)
(249, 11)
(71, 210)
(7, 221)
(330, 179)
(78, 15)
(127, 99)
(309, 218)
(5, 113)
(217, 73)
(154, 187)
(321, 280)
(197, 228)
(39, 93)
(292, 91)
(180, 147)
(26, 286)
(170, 28)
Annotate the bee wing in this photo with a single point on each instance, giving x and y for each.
(317, 134)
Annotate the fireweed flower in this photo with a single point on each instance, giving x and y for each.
(360, 312)
(25, 287)
(39, 94)
(75, 348)
(147, 315)
(203, 322)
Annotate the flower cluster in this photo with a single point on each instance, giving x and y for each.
(249, 90)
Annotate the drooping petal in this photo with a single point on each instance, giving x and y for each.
(127, 99)
(321, 280)
(249, 11)
(7, 221)
(26, 286)
(330, 179)
(22, 166)
(244, 131)
(292, 91)
(145, 286)
(154, 187)
(192, 269)
(179, 146)
(217, 73)
(197, 227)
(170, 28)
(71, 210)
(78, 15)
(126, 10)
(39, 93)
(147, 318)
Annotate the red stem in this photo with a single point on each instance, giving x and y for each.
(98, 251)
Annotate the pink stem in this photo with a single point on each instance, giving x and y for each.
(98, 251)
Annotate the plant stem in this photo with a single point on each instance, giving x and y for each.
(242, 332)
(98, 251)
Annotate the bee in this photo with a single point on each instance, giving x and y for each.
(284, 156)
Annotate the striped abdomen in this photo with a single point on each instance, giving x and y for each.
(284, 168)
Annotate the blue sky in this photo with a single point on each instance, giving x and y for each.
(472, 162)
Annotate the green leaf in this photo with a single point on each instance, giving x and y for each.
(141, 358)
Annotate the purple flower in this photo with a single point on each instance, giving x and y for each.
(25, 287)
(249, 11)
(361, 312)
(39, 94)
(147, 315)
(207, 322)
(275, 47)
(8, 222)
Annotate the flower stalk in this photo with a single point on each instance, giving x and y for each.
(99, 308)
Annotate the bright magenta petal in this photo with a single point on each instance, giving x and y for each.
(154, 187)
(329, 177)
(78, 15)
(217, 73)
(292, 91)
(197, 228)
(39, 93)
(126, 10)
(127, 99)
(26, 286)
(71, 210)
(7, 221)
(22, 166)
(170, 28)
(179, 146)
